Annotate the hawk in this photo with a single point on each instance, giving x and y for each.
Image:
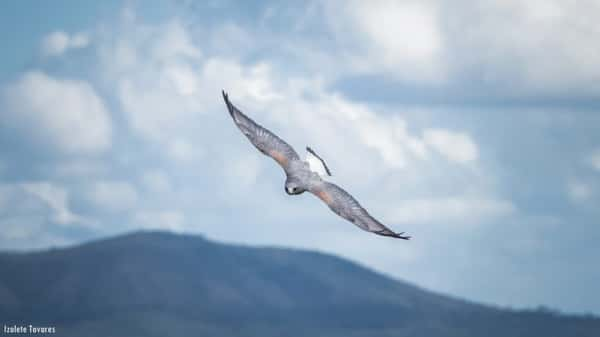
(304, 176)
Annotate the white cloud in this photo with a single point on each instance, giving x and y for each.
(165, 219)
(58, 42)
(183, 79)
(78, 167)
(56, 198)
(239, 175)
(363, 129)
(21, 227)
(455, 146)
(403, 38)
(174, 42)
(31, 212)
(513, 48)
(114, 196)
(168, 96)
(450, 211)
(156, 72)
(26, 232)
(526, 47)
(404, 30)
(66, 115)
(156, 181)
(182, 150)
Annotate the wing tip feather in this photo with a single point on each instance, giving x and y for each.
(400, 236)
(389, 233)
(230, 107)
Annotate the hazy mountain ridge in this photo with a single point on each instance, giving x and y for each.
(153, 283)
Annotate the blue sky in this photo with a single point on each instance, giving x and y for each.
(473, 127)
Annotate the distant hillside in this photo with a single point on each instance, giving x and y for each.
(160, 284)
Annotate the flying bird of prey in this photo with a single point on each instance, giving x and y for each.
(306, 175)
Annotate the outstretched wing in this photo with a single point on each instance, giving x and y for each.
(264, 140)
(344, 205)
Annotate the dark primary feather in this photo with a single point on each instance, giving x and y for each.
(264, 140)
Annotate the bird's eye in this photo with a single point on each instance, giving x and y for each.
(293, 190)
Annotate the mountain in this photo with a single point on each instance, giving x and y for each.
(162, 284)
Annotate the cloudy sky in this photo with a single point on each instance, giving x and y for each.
(473, 126)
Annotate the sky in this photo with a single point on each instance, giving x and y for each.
(472, 126)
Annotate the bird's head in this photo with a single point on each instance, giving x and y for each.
(292, 187)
